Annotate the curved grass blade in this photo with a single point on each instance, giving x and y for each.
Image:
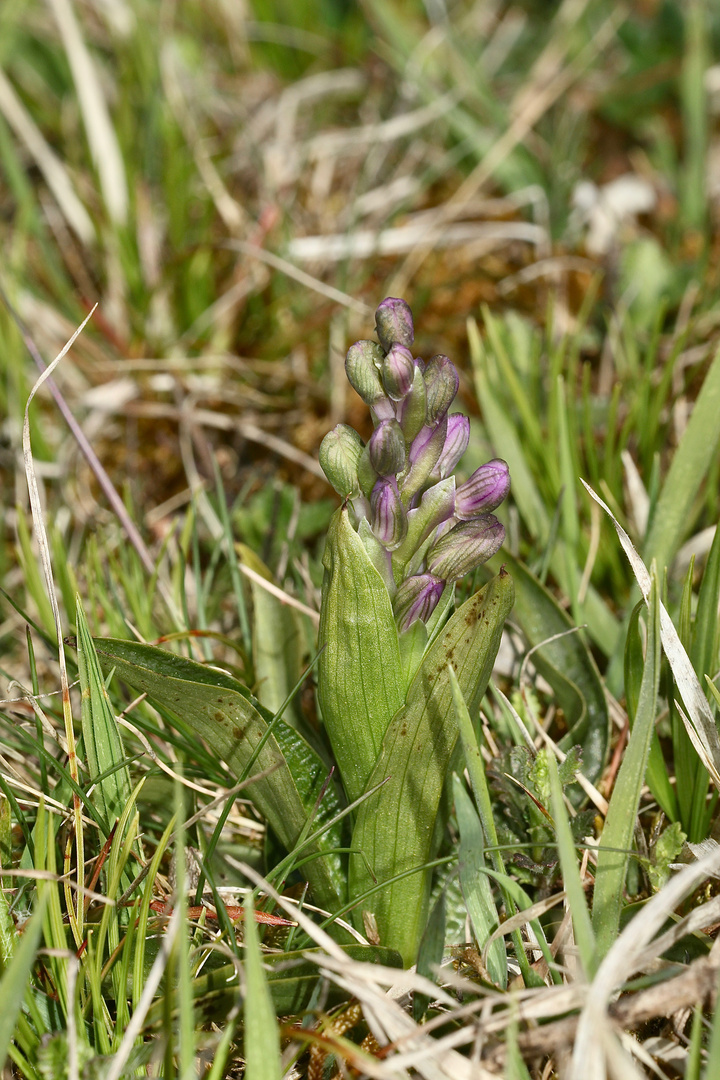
(394, 829)
(567, 665)
(360, 681)
(223, 712)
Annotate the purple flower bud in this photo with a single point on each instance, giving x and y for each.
(465, 547)
(394, 323)
(441, 380)
(398, 372)
(388, 519)
(387, 448)
(339, 455)
(416, 598)
(456, 443)
(486, 489)
(362, 366)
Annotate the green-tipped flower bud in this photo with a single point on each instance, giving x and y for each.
(398, 372)
(339, 455)
(387, 448)
(465, 547)
(387, 514)
(394, 323)
(362, 366)
(411, 411)
(422, 459)
(441, 380)
(416, 598)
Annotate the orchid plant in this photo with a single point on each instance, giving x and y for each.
(389, 636)
(406, 532)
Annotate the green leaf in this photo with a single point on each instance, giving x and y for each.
(17, 976)
(566, 663)
(394, 828)
(430, 953)
(704, 653)
(688, 469)
(665, 851)
(277, 642)
(617, 835)
(657, 777)
(8, 933)
(360, 682)
(292, 978)
(101, 735)
(262, 1039)
(223, 712)
(475, 884)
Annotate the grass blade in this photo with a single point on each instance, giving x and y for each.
(262, 1041)
(17, 975)
(101, 736)
(688, 469)
(617, 835)
(475, 884)
(584, 935)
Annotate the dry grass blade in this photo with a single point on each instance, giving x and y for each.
(534, 104)
(595, 1034)
(98, 126)
(301, 276)
(385, 1016)
(45, 560)
(55, 174)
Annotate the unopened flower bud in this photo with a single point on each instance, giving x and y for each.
(398, 371)
(387, 514)
(362, 366)
(465, 547)
(339, 455)
(456, 443)
(422, 459)
(387, 448)
(486, 489)
(441, 380)
(411, 411)
(416, 598)
(394, 323)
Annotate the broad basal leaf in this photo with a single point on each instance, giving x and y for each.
(223, 712)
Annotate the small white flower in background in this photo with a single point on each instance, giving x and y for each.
(604, 210)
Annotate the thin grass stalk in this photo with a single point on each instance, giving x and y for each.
(76, 914)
